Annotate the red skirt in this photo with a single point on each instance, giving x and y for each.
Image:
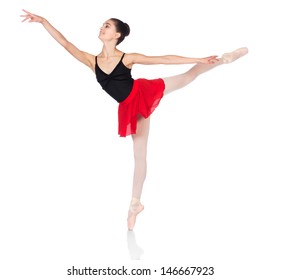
(142, 100)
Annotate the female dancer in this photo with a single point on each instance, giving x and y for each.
(137, 98)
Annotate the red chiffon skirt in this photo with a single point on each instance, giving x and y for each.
(143, 99)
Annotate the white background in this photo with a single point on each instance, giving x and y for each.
(212, 192)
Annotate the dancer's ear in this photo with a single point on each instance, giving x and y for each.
(117, 35)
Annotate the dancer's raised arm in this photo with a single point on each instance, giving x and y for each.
(82, 56)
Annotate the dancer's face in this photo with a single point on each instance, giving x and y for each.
(108, 31)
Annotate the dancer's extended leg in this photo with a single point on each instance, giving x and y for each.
(140, 150)
(180, 81)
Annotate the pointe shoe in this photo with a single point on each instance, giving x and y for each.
(232, 56)
(134, 210)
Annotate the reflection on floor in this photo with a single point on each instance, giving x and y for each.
(135, 251)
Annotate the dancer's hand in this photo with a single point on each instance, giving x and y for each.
(32, 17)
(209, 60)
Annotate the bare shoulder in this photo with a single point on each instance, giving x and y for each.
(128, 60)
(91, 59)
(132, 58)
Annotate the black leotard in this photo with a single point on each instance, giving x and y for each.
(118, 84)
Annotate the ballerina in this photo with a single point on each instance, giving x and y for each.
(137, 98)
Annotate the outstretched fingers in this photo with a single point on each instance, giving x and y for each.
(27, 16)
(209, 60)
(31, 17)
(212, 59)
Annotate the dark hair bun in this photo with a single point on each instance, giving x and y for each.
(126, 29)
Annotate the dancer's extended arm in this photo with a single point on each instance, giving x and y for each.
(137, 58)
(82, 56)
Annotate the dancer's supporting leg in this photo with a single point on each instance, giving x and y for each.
(140, 150)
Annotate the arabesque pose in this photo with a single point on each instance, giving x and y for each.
(137, 98)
